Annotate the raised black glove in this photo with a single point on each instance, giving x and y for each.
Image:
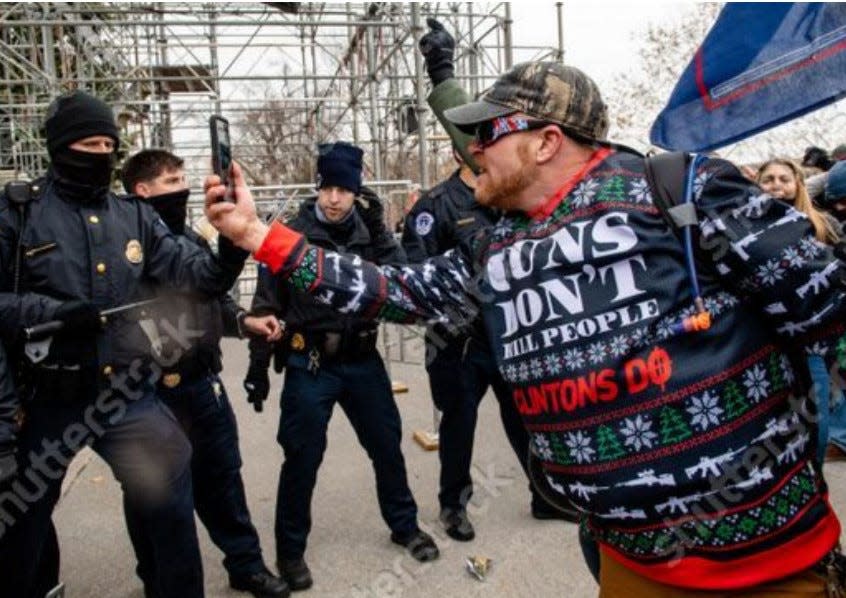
(438, 49)
(257, 385)
(8, 463)
(79, 317)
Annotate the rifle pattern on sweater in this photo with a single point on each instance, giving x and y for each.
(675, 445)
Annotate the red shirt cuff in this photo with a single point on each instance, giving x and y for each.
(277, 246)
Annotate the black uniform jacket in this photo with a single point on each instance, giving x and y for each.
(303, 312)
(106, 252)
(445, 217)
(191, 324)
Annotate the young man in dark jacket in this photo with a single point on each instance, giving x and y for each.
(332, 358)
(191, 387)
(661, 403)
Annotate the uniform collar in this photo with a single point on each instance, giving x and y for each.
(317, 230)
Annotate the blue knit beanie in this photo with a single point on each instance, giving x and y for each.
(835, 185)
(339, 165)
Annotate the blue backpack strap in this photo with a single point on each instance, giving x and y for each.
(669, 176)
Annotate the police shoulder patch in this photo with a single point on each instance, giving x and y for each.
(423, 223)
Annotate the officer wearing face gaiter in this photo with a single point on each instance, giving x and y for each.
(79, 251)
(193, 390)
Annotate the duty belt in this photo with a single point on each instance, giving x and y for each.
(73, 384)
(338, 346)
(187, 371)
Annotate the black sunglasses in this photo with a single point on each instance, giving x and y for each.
(491, 131)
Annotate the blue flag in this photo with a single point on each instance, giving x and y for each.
(760, 65)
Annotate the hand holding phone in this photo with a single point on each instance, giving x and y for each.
(221, 152)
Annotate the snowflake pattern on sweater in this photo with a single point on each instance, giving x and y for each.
(676, 445)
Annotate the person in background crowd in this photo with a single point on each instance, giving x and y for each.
(192, 389)
(818, 159)
(784, 180)
(834, 200)
(332, 358)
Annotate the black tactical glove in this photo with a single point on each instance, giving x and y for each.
(438, 49)
(79, 317)
(371, 210)
(8, 463)
(257, 385)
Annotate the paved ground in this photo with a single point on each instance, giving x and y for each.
(349, 551)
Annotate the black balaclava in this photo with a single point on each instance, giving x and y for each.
(82, 176)
(172, 208)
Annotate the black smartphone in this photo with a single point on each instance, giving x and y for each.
(221, 148)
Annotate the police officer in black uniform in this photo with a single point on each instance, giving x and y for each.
(333, 359)
(191, 388)
(79, 250)
(459, 362)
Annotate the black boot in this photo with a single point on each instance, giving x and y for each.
(419, 544)
(457, 524)
(296, 573)
(262, 584)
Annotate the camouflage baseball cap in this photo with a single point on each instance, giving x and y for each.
(546, 90)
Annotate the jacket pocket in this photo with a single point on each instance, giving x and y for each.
(35, 251)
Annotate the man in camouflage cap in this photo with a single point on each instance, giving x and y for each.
(547, 90)
(661, 405)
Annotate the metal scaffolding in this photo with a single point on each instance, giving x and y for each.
(287, 75)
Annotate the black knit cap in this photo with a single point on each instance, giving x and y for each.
(76, 116)
(339, 165)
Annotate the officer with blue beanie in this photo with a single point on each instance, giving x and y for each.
(339, 165)
(332, 358)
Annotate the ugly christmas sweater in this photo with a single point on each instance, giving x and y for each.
(686, 450)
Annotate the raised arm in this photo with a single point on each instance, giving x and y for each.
(180, 263)
(440, 289)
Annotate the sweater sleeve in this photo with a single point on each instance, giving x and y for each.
(437, 290)
(443, 96)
